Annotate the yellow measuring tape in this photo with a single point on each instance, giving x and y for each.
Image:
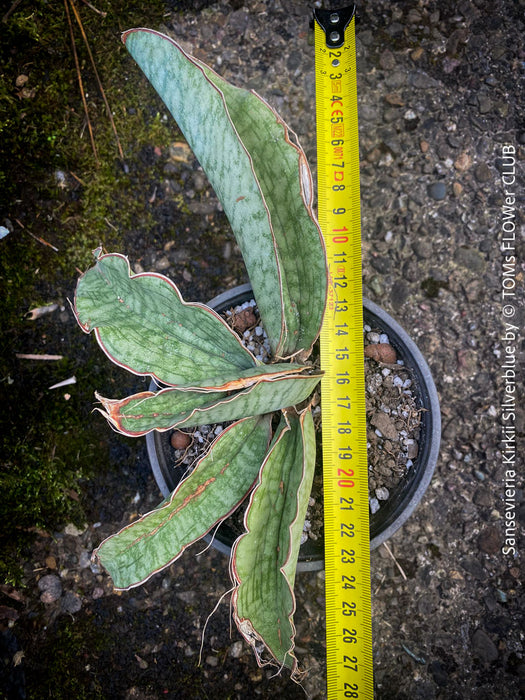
(345, 467)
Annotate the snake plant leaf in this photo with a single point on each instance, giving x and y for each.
(262, 179)
(142, 323)
(264, 559)
(219, 482)
(184, 408)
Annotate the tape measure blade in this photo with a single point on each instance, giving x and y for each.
(345, 470)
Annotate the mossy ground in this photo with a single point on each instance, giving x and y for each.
(52, 186)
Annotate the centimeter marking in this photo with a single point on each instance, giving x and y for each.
(345, 467)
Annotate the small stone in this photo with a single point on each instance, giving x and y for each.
(501, 596)
(381, 352)
(485, 104)
(162, 263)
(98, 592)
(399, 293)
(236, 650)
(84, 560)
(143, 664)
(422, 81)
(70, 603)
(73, 530)
(51, 588)
(382, 493)
(463, 162)
(414, 16)
(243, 320)
(212, 660)
(483, 646)
(422, 248)
(395, 100)
(384, 424)
(482, 497)
(374, 505)
(180, 440)
(51, 562)
(474, 568)
(180, 152)
(489, 540)
(417, 54)
(457, 189)
(413, 450)
(470, 258)
(21, 80)
(387, 60)
(483, 173)
(424, 146)
(437, 191)
(187, 597)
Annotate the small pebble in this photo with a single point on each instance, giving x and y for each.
(51, 588)
(73, 530)
(236, 650)
(70, 603)
(180, 440)
(381, 352)
(84, 559)
(437, 191)
(51, 562)
(382, 493)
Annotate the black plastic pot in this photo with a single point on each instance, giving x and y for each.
(403, 499)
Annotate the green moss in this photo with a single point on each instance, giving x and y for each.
(43, 126)
(52, 186)
(66, 657)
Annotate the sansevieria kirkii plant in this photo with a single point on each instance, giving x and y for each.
(206, 375)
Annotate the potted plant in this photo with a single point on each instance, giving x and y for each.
(267, 454)
(265, 458)
(169, 460)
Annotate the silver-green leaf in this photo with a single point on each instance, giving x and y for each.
(141, 413)
(264, 559)
(219, 482)
(262, 179)
(142, 323)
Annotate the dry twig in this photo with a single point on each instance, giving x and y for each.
(92, 7)
(37, 238)
(11, 10)
(33, 356)
(395, 560)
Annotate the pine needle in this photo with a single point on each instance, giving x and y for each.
(91, 7)
(395, 560)
(80, 83)
(99, 82)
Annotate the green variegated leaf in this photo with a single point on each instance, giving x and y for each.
(261, 178)
(265, 558)
(142, 324)
(141, 413)
(213, 490)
